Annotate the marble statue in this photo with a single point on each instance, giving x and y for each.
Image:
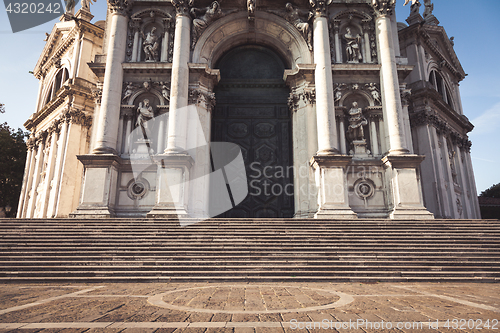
(293, 16)
(144, 114)
(352, 48)
(150, 45)
(202, 17)
(128, 91)
(374, 92)
(86, 4)
(429, 7)
(356, 122)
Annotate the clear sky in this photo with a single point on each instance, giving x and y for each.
(474, 24)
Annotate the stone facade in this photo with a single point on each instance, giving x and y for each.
(377, 128)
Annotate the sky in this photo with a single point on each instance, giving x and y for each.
(474, 25)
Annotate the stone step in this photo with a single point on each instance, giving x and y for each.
(246, 272)
(256, 266)
(249, 250)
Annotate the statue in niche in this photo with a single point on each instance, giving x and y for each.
(144, 114)
(356, 123)
(150, 45)
(374, 92)
(202, 17)
(293, 16)
(353, 51)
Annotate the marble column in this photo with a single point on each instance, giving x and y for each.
(136, 48)
(329, 166)
(28, 176)
(177, 123)
(325, 109)
(107, 122)
(49, 172)
(373, 135)
(40, 142)
(60, 155)
(391, 100)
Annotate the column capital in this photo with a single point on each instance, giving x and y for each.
(320, 7)
(383, 7)
(120, 7)
(182, 6)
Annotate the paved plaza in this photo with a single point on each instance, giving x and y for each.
(250, 307)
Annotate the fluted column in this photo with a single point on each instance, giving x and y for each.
(107, 122)
(325, 109)
(28, 176)
(61, 148)
(49, 172)
(391, 100)
(177, 123)
(40, 142)
(166, 40)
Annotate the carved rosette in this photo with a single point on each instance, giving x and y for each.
(383, 7)
(182, 6)
(320, 7)
(121, 7)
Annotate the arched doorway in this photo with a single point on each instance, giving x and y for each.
(252, 112)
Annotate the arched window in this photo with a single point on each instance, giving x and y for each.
(439, 84)
(57, 83)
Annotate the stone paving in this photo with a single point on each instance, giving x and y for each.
(251, 307)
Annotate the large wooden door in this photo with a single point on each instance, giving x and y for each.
(252, 112)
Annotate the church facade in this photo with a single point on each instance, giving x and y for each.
(256, 108)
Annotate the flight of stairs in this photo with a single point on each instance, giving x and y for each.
(114, 250)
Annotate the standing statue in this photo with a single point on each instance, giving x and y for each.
(352, 49)
(293, 16)
(356, 122)
(86, 4)
(150, 45)
(70, 6)
(144, 114)
(415, 5)
(429, 7)
(202, 17)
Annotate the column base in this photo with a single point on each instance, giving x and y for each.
(403, 178)
(336, 214)
(93, 213)
(411, 214)
(331, 181)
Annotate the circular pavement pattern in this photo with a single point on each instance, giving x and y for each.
(250, 299)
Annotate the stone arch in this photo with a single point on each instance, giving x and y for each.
(365, 95)
(234, 30)
(147, 11)
(141, 91)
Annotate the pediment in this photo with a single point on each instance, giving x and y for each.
(438, 44)
(60, 38)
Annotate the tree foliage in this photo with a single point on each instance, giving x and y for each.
(12, 160)
(492, 192)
